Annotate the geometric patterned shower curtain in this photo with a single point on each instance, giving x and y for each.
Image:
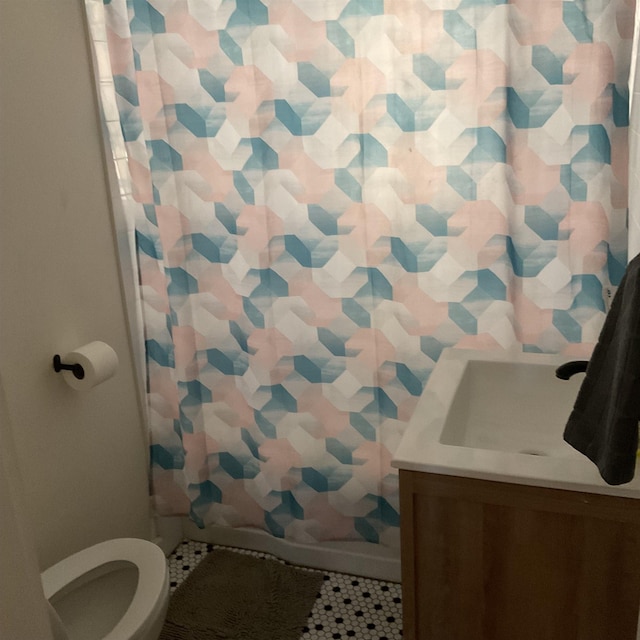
(332, 193)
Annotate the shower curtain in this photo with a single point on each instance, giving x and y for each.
(332, 192)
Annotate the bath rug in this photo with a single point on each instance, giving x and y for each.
(234, 596)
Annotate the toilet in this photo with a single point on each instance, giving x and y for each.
(115, 590)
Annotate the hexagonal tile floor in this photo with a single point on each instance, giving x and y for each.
(347, 606)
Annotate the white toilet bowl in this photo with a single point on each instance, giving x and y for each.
(115, 590)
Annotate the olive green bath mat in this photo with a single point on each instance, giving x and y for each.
(234, 596)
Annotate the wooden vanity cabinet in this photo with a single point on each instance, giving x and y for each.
(485, 560)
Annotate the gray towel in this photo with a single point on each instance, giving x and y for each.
(604, 422)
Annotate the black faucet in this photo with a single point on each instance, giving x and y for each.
(568, 369)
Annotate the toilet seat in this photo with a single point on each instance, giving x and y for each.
(153, 578)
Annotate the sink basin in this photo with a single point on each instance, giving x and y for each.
(500, 416)
(519, 407)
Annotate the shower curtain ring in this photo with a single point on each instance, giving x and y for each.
(76, 369)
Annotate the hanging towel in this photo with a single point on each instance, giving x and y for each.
(604, 422)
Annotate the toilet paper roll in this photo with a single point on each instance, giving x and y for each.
(98, 360)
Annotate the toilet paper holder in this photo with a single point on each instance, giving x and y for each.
(76, 369)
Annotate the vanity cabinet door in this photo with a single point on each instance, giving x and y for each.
(494, 561)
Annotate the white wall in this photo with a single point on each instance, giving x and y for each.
(21, 586)
(82, 457)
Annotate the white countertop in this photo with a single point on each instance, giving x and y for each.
(421, 448)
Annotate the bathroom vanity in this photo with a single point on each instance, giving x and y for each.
(485, 560)
(507, 532)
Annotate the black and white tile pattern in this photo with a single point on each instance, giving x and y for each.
(347, 606)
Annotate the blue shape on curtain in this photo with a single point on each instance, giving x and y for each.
(620, 106)
(490, 146)
(371, 152)
(576, 21)
(435, 222)
(221, 361)
(460, 30)
(147, 245)
(590, 292)
(400, 112)
(409, 380)
(384, 511)
(547, 64)
(404, 255)
(267, 428)
(240, 335)
(431, 347)
(567, 325)
(345, 181)
(331, 341)
(341, 39)
(270, 283)
(615, 266)
(167, 459)
(255, 316)
(362, 426)
(363, 8)
(462, 182)
(249, 13)
(366, 530)
(227, 218)
(312, 78)
(130, 124)
(263, 156)
(212, 85)
(541, 222)
(298, 250)
(307, 368)
(126, 89)
(532, 109)
(230, 47)
(493, 287)
(576, 187)
(159, 354)
(480, 3)
(517, 262)
(150, 214)
(429, 71)
(146, 18)
(206, 493)
(463, 318)
(289, 118)
(196, 393)
(339, 451)
(598, 147)
(245, 190)
(236, 469)
(326, 222)
(377, 285)
(194, 120)
(181, 282)
(281, 399)
(252, 445)
(273, 527)
(206, 247)
(315, 479)
(163, 157)
(288, 506)
(356, 312)
(382, 404)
